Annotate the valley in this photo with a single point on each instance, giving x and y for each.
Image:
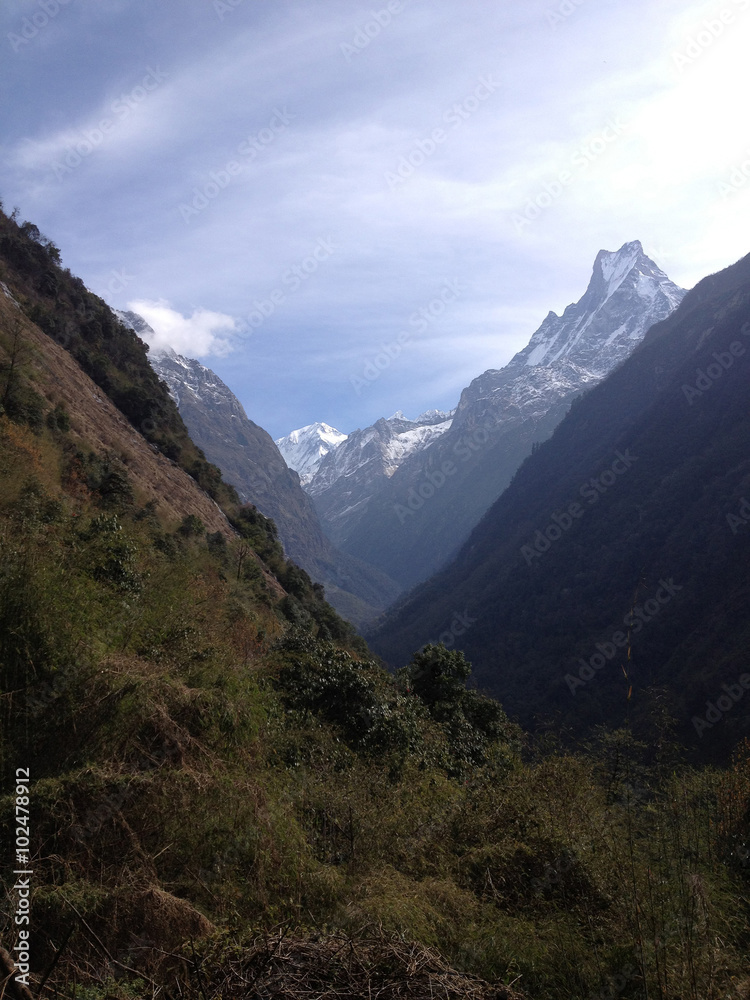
(228, 793)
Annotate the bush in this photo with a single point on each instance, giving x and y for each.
(191, 526)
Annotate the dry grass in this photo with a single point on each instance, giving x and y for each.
(336, 966)
(97, 424)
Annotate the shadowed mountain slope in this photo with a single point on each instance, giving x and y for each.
(638, 501)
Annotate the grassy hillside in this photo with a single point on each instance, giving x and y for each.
(108, 352)
(227, 797)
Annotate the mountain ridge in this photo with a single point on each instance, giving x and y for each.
(305, 448)
(250, 460)
(410, 523)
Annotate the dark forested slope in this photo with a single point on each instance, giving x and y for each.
(639, 501)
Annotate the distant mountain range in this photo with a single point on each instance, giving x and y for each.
(583, 514)
(250, 460)
(385, 507)
(348, 474)
(403, 496)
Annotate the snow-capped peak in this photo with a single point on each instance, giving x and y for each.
(615, 265)
(434, 417)
(428, 417)
(159, 353)
(305, 448)
(626, 295)
(134, 322)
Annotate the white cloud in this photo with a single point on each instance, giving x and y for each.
(204, 333)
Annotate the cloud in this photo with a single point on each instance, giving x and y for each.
(204, 333)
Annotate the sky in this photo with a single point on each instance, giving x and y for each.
(347, 209)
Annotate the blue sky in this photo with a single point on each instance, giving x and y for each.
(347, 209)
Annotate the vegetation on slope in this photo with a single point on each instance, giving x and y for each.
(110, 353)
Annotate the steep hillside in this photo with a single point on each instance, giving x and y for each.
(639, 501)
(249, 459)
(107, 351)
(125, 428)
(96, 424)
(420, 515)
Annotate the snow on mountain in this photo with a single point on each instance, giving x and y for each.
(396, 438)
(529, 395)
(305, 448)
(407, 442)
(500, 416)
(359, 480)
(433, 416)
(356, 469)
(627, 294)
(182, 373)
(137, 323)
(381, 447)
